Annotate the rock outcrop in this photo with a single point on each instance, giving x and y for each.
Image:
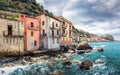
(86, 65)
(83, 46)
(100, 49)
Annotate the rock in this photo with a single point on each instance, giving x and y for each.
(83, 46)
(100, 49)
(23, 62)
(71, 51)
(57, 72)
(28, 59)
(7, 65)
(67, 63)
(86, 65)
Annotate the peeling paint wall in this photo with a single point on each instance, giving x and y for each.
(11, 44)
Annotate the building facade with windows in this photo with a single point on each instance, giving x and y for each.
(32, 31)
(51, 32)
(43, 33)
(66, 31)
(11, 36)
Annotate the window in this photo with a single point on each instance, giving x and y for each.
(56, 25)
(35, 43)
(52, 32)
(52, 24)
(9, 29)
(31, 25)
(32, 34)
(57, 32)
(43, 22)
(43, 32)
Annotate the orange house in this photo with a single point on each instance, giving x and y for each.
(32, 31)
(66, 31)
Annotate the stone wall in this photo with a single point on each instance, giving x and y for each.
(11, 45)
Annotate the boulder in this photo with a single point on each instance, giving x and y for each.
(100, 49)
(71, 51)
(83, 46)
(86, 65)
(67, 63)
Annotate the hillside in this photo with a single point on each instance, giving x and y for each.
(28, 7)
(92, 37)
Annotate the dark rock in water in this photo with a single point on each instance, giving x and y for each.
(100, 49)
(83, 46)
(86, 65)
(67, 63)
(28, 59)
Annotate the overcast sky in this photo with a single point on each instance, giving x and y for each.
(94, 16)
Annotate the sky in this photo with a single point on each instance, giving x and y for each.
(95, 16)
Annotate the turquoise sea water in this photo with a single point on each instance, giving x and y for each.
(111, 57)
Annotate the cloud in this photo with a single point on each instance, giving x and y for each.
(95, 16)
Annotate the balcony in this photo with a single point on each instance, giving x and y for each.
(70, 28)
(33, 28)
(13, 34)
(64, 34)
(64, 26)
(53, 27)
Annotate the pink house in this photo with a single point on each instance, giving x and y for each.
(32, 32)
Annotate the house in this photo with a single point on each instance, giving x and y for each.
(51, 32)
(32, 31)
(66, 31)
(76, 38)
(11, 35)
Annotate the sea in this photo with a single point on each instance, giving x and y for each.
(110, 66)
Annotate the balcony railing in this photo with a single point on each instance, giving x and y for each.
(33, 28)
(53, 27)
(14, 33)
(64, 26)
(64, 34)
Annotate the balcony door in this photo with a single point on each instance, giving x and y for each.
(10, 30)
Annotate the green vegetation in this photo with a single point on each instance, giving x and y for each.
(28, 7)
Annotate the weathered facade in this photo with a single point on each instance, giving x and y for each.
(66, 31)
(11, 36)
(51, 32)
(76, 38)
(32, 31)
(43, 33)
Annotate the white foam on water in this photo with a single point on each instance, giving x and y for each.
(8, 70)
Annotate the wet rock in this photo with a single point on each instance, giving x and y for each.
(100, 49)
(57, 72)
(83, 46)
(71, 51)
(28, 59)
(86, 65)
(67, 63)
(7, 65)
(23, 62)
